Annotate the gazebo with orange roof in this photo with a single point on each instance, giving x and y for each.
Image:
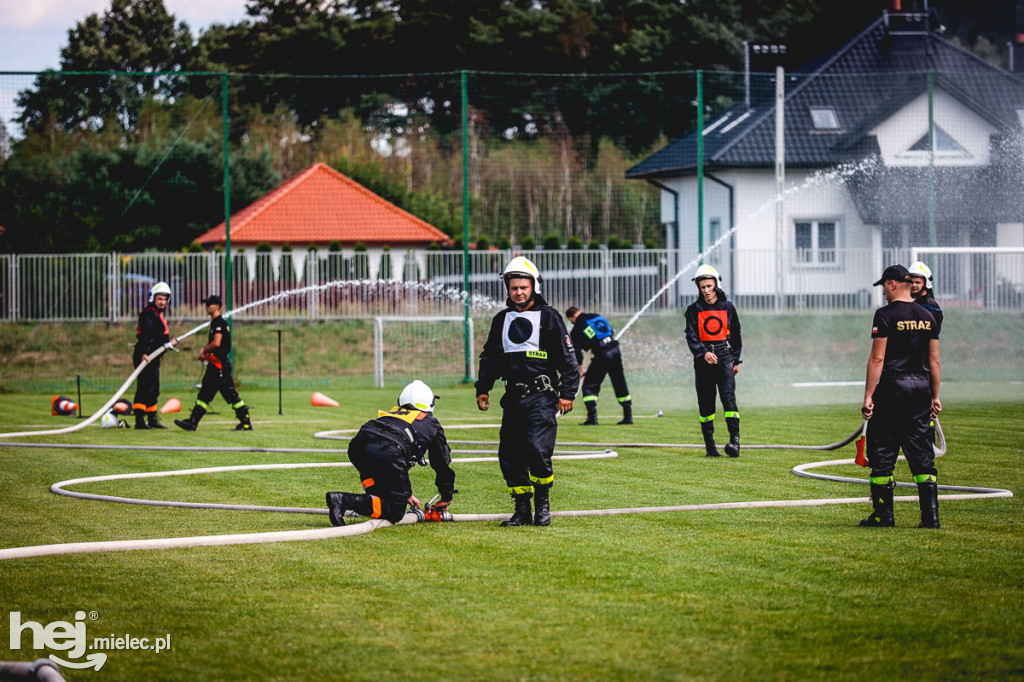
(320, 206)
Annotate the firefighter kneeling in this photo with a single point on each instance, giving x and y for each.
(383, 452)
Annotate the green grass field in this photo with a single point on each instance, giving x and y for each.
(771, 593)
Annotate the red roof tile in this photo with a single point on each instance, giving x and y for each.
(320, 205)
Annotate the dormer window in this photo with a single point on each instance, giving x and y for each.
(943, 143)
(824, 118)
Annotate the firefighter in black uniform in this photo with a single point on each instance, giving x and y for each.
(151, 334)
(713, 335)
(383, 452)
(593, 332)
(529, 348)
(216, 355)
(922, 290)
(901, 397)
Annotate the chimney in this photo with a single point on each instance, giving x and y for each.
(906, 32)
(1017, 54)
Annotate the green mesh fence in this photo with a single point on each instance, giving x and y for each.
(876, 165)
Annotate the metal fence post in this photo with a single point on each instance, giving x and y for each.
(313, 280)
(606, 283)
(112, 286)
(12, 288)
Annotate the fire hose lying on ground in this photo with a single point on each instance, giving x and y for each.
(965, 492)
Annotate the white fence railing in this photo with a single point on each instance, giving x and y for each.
(114, 287)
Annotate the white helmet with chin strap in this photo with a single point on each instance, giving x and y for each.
(417, 396)
(521, 266)
(919, 269)
(159, 288)
(707, 272)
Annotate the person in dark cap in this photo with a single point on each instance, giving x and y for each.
(901, 396)
(216, 355)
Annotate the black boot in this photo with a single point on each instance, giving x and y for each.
(707, 429)
(733, 447)
(154, 423)
(881, 499)
(522, 515)
(542, 504)
(244, 424)
(336, 508)
(192, 423)
(627, 412)
(591, 413)
(140, 419)
(928, 498)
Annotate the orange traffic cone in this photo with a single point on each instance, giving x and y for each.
(320, 400)
(172, 405)
(60, 405)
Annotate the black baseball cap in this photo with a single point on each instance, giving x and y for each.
(213, 299)
(897, 273)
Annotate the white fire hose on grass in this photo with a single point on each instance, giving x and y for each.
(113, 399)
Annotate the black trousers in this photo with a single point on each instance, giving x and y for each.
(218, 379)
(606, 363)
(901, 420)
(384, 473)
(527, 440)
(147, 384)
(715, 378)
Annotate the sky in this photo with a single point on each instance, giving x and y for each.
(32, 32)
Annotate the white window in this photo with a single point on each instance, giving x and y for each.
(945, 147)
(815, 243)
(714, 233)
(824, 118)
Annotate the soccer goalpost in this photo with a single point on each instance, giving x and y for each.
(975, 276)
(430, 348)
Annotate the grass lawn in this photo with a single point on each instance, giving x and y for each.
(771, 593)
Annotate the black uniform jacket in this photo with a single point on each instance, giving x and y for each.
(524, 345)
(592, 332)
(218, 357)
(908, 329)
(152, 331)
(430, 441)
(709, 325)
(932, 306)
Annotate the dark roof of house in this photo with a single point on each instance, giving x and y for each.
(863, 83)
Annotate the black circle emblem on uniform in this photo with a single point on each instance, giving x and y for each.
(601, 326)
(520, 330)
(712, 325)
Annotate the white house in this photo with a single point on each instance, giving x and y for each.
(862, 183)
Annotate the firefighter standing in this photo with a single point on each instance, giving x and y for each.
(383, 452)
(922, 289)
(151, 334)
(593, 332)
(713, 335)
(923, 292)
(216, 355)
(901, 397)
(528, 347)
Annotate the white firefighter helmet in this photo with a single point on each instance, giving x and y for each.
(417, 395)
(521, 266)
(109, 420)
(919, 269)
(159, 288)
(706, 272)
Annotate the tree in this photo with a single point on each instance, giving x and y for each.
(133, 35)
